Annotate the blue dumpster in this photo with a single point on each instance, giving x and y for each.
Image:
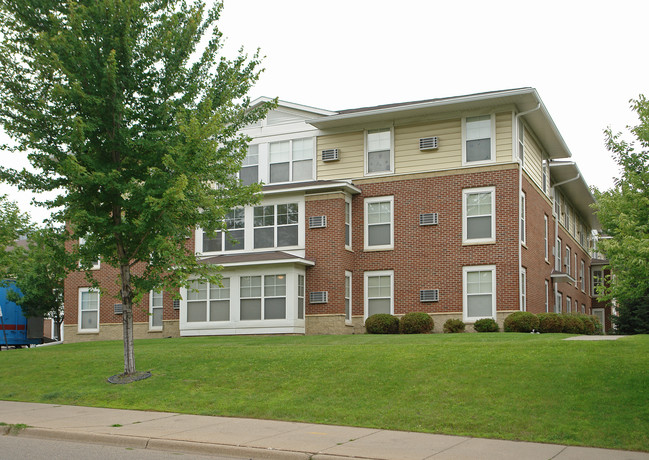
(15, 329)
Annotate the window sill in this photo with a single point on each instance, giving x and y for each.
(93, 332)
(477, 243)
(382, 248)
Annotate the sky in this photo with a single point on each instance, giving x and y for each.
(585, 58)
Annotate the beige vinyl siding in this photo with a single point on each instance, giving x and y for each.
(504, 143)
(533, 159)
(409, 159)
(350, 151)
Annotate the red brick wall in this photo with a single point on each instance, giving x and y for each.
(424, 257)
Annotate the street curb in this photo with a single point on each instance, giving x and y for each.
(189, 447)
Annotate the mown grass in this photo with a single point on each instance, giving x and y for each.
(509, 386)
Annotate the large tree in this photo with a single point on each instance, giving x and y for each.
(624, 213)
(13, 225)
(126, 109)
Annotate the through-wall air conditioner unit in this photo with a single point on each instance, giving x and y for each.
(428, 143)
(118, 308)
(330, 155)
(318, 297)
(429, 218)
(429, 295)
(176, 304)
(317, 222)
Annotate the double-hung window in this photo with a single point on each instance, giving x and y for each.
(276, 225)
(233, 239)
(582, 278)
(558, 302)
(545, 236)
(523, 290)
(568, 255)
(291, 160)
(249, 173)
(155, 310)
(478, 144)
(522, 211)
(379, 151)
(348, 224)
(208, 301)
(479, 284)
(379, 223)
(557, 256)
(262, 302)
(88, 310)
(348, 297)
(479, 222)
(379, 289)
(598, 277)
(300, 296)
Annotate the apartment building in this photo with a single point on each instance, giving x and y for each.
(463, 207)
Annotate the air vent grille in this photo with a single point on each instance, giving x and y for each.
(118, 308)
(429, 218)
(318, 297)
(428, 143)
(176, 304)
(330, 155)
(429, 295)
(318, 222)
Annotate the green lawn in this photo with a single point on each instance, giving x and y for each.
(509, 386)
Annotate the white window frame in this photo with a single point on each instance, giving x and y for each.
(582, 271)
(523, 289)
(558, 263)
(523, 233)
(470, 191)
(378, 199)
(348, 298)
(568, 259)
(292, 160)
(246, 163)
(568, 305)
(492, 158)
(348, 223)
(367, 276)
(80, 317)
(152, 307)
(546, 238)
(596, 280)
(547, 296)
(465, 294)
(367, 151)
(558, 302)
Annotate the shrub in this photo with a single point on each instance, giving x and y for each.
(550, 322)
(416, 323)
(599, 329)
(521, 321)
(452, 326)
(382, 323)
(589, 324)
(486, 325)
(573, 325)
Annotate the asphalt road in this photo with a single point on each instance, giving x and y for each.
(19, 448)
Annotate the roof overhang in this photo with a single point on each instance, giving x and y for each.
(569, 180)
(523, 99)
(318, 186)
(257, 258)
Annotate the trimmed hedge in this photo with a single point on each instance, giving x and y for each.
(550, 322)
(416, 323)
(452, 326)
(382, 323)
(572, 324)
(486, 325)
(521, 321)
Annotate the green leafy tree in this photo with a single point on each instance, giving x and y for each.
(40, 273)
(13, 225)
(624, 213)
(126, 109)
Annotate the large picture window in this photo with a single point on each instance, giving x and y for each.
(276, 225)
(88, 310)
(479, 284)
(266, 303)
(479, 215)
(379, 223)
(208, 301)
(291, 160)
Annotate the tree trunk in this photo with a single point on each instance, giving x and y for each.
(127, 320)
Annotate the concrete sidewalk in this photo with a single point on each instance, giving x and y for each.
(264, 439)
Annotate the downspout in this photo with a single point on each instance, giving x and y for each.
(556, 229)
(520, 193)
